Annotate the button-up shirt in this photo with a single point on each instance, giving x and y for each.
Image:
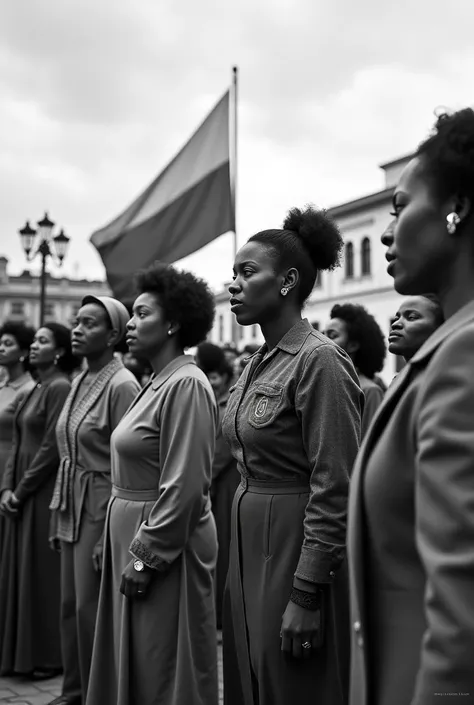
(294, 414)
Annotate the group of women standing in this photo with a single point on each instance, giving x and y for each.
(292, 422)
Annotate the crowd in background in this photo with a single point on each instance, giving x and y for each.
(150, 497)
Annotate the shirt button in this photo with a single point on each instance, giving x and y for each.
(357, 627)
(332, 574)
(360, 641)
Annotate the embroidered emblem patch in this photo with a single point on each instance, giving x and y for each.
(261, 408)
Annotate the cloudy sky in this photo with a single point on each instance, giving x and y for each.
(97, 95)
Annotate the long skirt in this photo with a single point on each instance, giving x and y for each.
(29, 590)
(162, 649)
(267, 535)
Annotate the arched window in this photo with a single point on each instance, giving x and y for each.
(365, 256)
(349, 260)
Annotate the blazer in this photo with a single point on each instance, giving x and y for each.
(411, 532)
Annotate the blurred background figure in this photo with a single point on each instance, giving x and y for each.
(29, 572)
(225, 476)
(357, 332)
(414, 322)
(137, 367)
(15, 341)
(249, 350)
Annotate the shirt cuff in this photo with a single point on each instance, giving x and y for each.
(150, 559)
(318, 566)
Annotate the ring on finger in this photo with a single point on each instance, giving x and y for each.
(306, 645)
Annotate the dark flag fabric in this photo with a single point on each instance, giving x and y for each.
(187, 206)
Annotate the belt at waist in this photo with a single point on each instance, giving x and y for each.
(266, 487)
(135, 495)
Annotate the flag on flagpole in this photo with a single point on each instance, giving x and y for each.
(187, 206)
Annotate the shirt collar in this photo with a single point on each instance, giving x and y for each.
(293, 341)
(170, 369)
(20, 381)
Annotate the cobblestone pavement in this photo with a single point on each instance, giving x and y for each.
(24, 692)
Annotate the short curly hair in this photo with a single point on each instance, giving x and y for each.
(447, 156)
(186, 300)
(22, 333)
(362, 328)
(62, 337)
(310, 241)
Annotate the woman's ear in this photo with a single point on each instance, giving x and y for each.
(291, 279)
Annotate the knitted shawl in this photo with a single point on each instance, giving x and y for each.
(67, 427)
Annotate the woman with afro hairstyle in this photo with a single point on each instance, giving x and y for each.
(293, 424)
(156, 630)
(30, 571)
(357, 332)
(411, 515)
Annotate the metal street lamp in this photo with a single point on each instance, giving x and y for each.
(40, 242)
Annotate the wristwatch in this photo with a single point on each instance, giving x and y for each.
(139, 566)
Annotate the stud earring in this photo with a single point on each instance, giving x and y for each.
(56, 359)
(22, 358)
(170, 332)
(453, 221)
(284, 291)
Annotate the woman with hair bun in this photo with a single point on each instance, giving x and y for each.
(411, 518)
(293, 424)
(29, 575)
(156, 630)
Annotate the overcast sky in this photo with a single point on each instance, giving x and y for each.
(97, 95)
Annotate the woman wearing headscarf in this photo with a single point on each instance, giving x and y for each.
(15, 341)
(29, 572)
(156, 633)
(97, 401)
(411, 509)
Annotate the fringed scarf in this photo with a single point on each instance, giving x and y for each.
(67, 427)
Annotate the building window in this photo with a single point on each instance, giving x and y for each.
(221, 328)
(49, 310)
(365, 257)
(349, 260)
(319, 280)
(17, 308)
(255, 331)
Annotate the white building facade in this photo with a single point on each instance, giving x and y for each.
(20, 296)
(361, 279)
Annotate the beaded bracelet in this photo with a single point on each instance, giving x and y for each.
(309, 600)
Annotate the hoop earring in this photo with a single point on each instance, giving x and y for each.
(284, 291)
(452, 221)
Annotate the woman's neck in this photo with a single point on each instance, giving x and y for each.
(164, 357)
(275, 330)
(45, 373)
(15, 372)
(459, 289)
(97, 363)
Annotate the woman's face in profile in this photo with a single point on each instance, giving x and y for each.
(255, 290)
(419, 246)
(412, 325)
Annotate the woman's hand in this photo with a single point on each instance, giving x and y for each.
(97, 557)
(134, 583)
(300, 626)
(9, 504)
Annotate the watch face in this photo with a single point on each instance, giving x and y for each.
(138, 565)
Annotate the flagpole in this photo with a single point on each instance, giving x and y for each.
(233, 176)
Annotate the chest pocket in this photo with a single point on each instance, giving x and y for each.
(264, 405)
